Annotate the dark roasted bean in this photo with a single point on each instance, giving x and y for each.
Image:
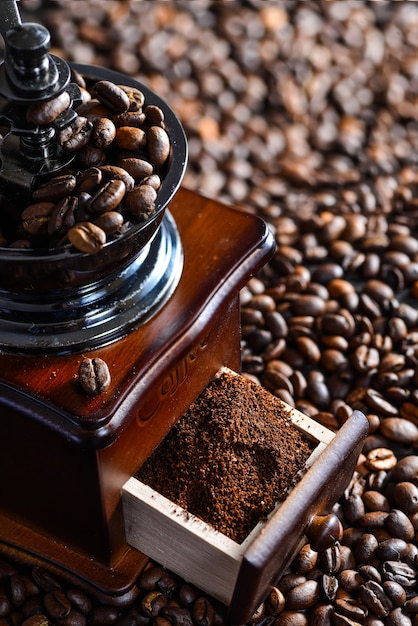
(111, 96)
(107, 197)
(87, 237)
(46, 112)
(140, 202)
(56, 188)
(94, 376)
(76, 135)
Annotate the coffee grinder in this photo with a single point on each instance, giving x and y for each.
(160, 305)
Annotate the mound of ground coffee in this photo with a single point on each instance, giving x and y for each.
(232, 456)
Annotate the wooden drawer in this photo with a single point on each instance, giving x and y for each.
(241, 575)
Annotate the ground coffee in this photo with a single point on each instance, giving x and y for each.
(231, 457)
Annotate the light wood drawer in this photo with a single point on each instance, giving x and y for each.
(241, 575)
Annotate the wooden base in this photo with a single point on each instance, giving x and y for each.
(66, 456)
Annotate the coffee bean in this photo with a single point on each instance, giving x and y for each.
(381, 459)
(111, 96)
(36, 620)
(405, 495)
(103, 132)
(350, 608)
(63, 216)
(130, 138)
(36, 217)
(46, 112)
(375, 599)
(76, 135)
(114, 172)
(108, 197)
(140, 202)
(159, 146)
(93, 376)
(57, 604)
(109, 222)
(136, 97)
(203, 612)
(55, 189)
(400, 573)
(303, 596)
(87, 237)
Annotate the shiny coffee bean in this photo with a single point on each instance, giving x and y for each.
(46, 112)
(55, 189)
(93, 376)
(87, 237)
(140, 202)
(103, 132)
(76, 135)
(36, 217)
(107, 197)
(111, 96)
(63, 216)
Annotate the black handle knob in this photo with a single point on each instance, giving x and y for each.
(29, 66)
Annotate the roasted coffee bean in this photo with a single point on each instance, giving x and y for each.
(36, 217)
(103, 132)
(391, 549)
(55, 189)
(44, 579)
(275, 602)
(154, 115)
(63, 216)
(76, 135)
(351, 608)
(381, 459)
(328, 587)
(130, 138)
(46, 112)
(136, 97)
(153, 181)
(114, 172)
(405, 469)
(350, 580)
(399, 430)
(395, 592)
(159, 146)
(111, 96)
(177, 615)
(374, 598)
(17, 590)
(109, 222)
(203, 612)
(140, 202)
(91, 156)
(397, 617)
(89, 180)
(137, 168)
(399, 572)
(36, 620)
(303, 596)
(153, 603)
(79, 600)
(405, 495)
(129, 118)
(108, 197)
(87, 237)
(399, 525)
(93, 376)
(57, 604)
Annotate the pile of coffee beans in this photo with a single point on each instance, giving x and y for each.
(121, 147)
(305, 113)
